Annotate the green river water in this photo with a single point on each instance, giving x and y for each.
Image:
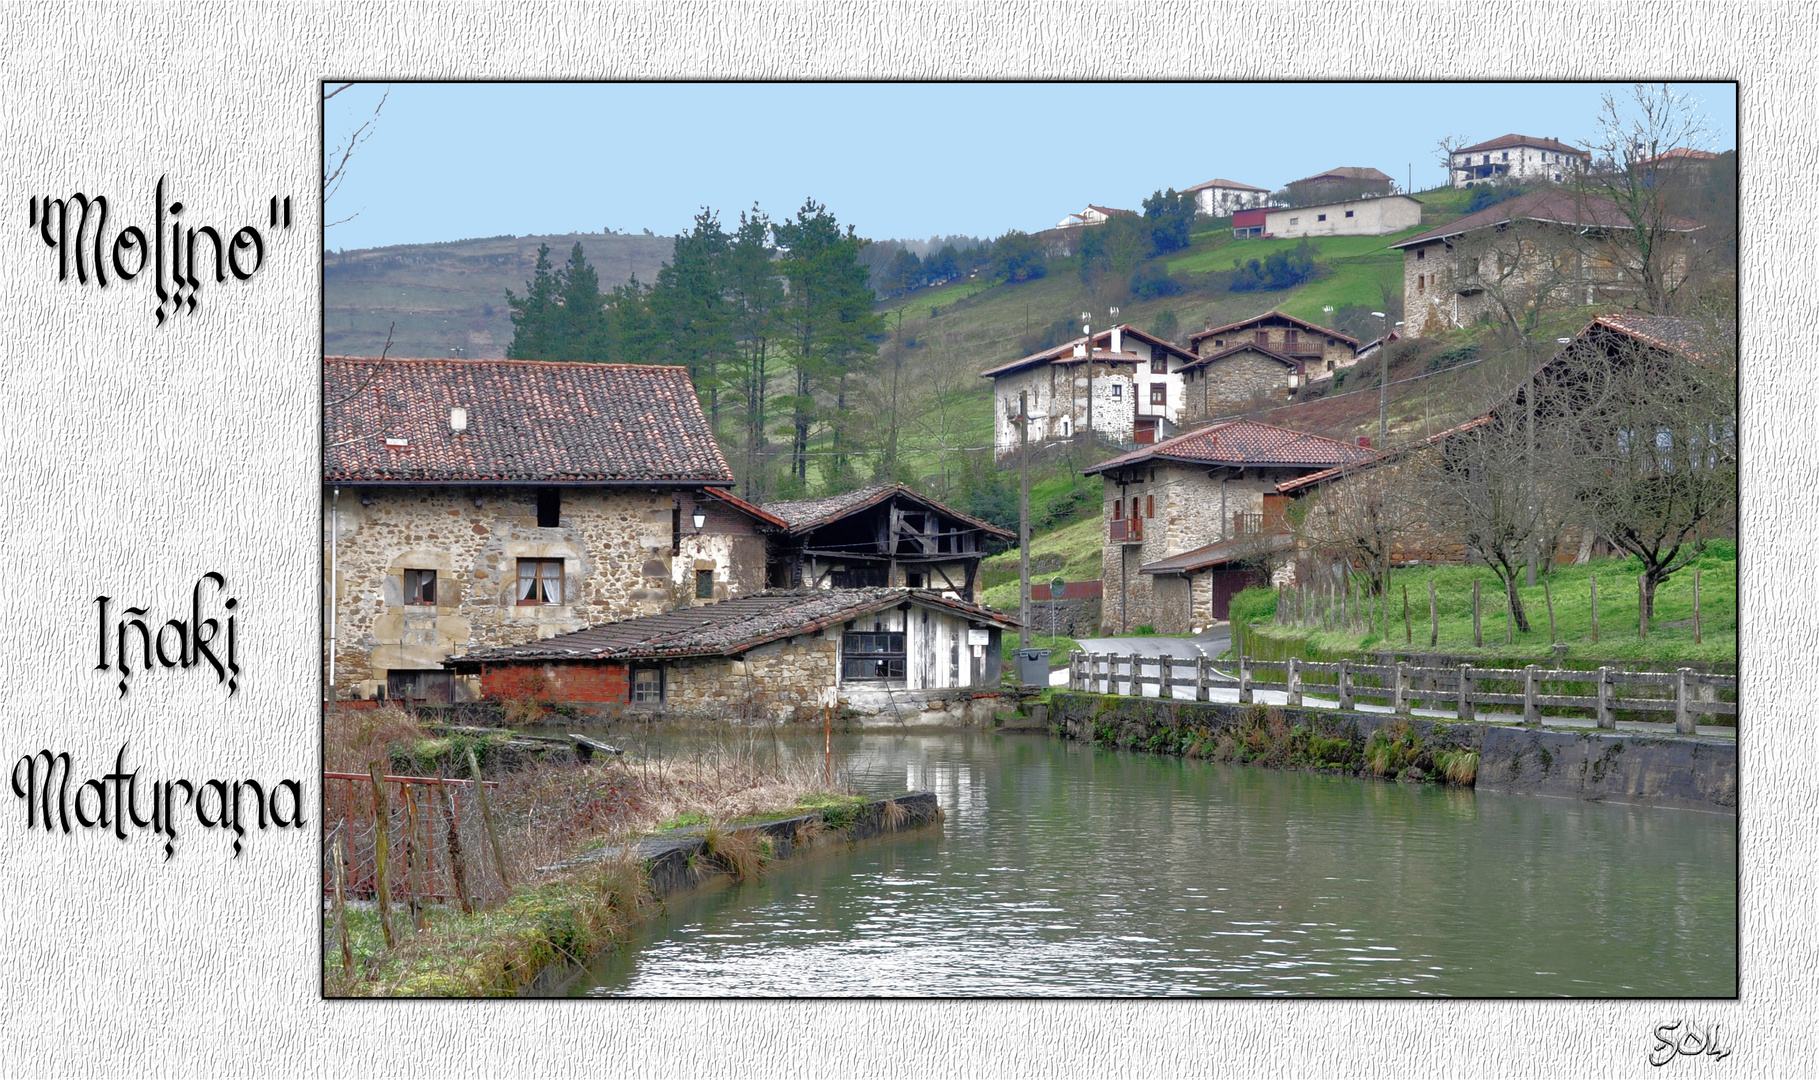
(1064, 869)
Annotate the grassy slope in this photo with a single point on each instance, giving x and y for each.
(1071, 552)
(1670, 634)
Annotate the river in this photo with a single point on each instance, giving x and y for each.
(1065, 869)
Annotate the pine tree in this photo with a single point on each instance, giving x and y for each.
(754, 292)
(534, 314)
(690, 311)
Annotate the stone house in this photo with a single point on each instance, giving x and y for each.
(1239, 378)
(1318, 350)
(1369, 216)
(1132, 380)
(885, 535)
(469, 504)
(1223, 198)
(1546, 240)
(1187, 494)
(1344, 182)
(1516, 157)
(774, 656)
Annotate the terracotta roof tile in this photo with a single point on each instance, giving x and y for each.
(1238, 547)
(728, 628)
(387, 421)
(1195, 340)
(1243, 442)
(1552, 205)
(1503, 142)
(1064, 353)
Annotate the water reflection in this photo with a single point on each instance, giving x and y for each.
(1065, 869)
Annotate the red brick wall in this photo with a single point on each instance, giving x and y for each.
(602, 683)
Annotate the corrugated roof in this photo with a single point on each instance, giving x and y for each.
(1238, 547)
(727, 628)
(801, 515)
(1502, 142)
(387, 421)
(1243, 443)
(1195, 340)
(1551, 205)
(1064, 353)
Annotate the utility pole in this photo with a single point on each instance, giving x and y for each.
(1383, 383)
(1023, 517)
(1528, 458)
(1086, 328)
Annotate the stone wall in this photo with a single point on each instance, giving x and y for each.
(1230, 386)
(615, 545)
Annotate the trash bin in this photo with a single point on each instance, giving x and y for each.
(1032, 667)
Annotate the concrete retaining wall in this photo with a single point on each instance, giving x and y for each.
(1686, 772)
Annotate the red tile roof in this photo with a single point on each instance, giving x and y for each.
(802, 515)
(1195, 340)
(728, 628)
(387, 421)
(1243, 443)
(1380, 458)
(1347, 172)
(1552, 205)
(756, 512)
(1503, 142)
(1680, 153)
(1064, 353)
(1663, 332)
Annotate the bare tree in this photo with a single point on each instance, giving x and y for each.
(1652, 439)
(334, 165)
(1361, 517)
(1446, 148)
(1634, 157)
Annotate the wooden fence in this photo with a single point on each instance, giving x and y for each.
(1685, 693)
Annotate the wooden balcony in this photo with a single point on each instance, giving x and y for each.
(1127, 531)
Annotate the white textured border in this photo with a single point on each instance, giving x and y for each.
(141, 458)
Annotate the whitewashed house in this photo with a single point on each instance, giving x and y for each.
(1377, 216)
(1132, 379)
(1223, 198)
(1516, 157)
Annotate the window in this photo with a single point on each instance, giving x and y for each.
(539, 581)
(1506, 155)
(1322, 217)
(871, 656)
(1158, 393)
(433, 685)
(549, 507)
(1218, 343)
(675, 530)
(1420, 253)
(914, 581)
(704, 584)
(419, 587)
(1158, 365)
(647, 685)
(1294, 221)
(1420, 283)
(1329, 365)
(1117, 391)
(1118, 510)
(1348, 213)
(1149, 506)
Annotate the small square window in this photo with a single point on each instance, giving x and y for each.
(704, 584)
(1117, 391)
(647, 685)
(1348, 213)
(420, 587)
(1158, 393)
(1294, 221)
(1322, 217)
(914, 581)
(539, 581)
(1159, 365)
(549, 508)
(1420, 253)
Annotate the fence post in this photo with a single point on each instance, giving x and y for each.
(413, 862)
(1402, 700)
(1136, 671)
(347, 952)
(1477, 623)
(1345, 684)
(1531, 709)
(1684, 720)
(1467, 711)
(1294, 681)
(486, 818)
(1200, 678)
(381, 850)
(1244, 679)
(457, 859)
(1168, 674)
(1607, 715)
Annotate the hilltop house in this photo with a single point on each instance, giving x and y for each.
(885, 535)
(771, 656)
(1516, 157)
(471, 504)
(1369, 216)
(1344, 182)
(1093, 215)
(1223, 198)
(1128, 391)
(1545, 240)
(1209, 495)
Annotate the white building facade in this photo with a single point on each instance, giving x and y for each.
(1223, 198)
(1134, 383)
(1516, 157)
(1356, 217)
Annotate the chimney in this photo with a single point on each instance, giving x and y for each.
(1117, 339)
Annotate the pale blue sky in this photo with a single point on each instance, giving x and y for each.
(449, 161)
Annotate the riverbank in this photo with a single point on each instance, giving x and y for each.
(540, 937)
(1684, 772)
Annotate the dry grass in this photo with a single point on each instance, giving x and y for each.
(353, 737)
(740, 852)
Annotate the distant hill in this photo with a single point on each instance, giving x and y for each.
(448, 299)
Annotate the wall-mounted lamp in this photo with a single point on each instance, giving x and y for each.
(700, 517)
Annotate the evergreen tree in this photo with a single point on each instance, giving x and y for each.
(534, 313)
(579, 327)
(1170, 218)
(689, 309)
(754, 293)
